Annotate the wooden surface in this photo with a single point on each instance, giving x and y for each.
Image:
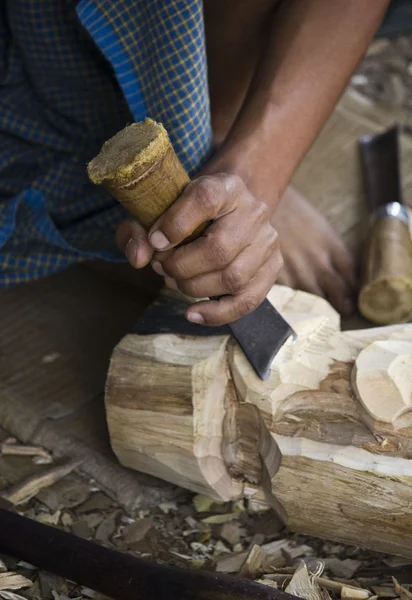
(57, 337)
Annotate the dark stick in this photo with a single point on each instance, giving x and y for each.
(116, 574)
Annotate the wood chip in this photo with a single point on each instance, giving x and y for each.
(204, 504)
(231, 533)
(11, 596)
(137, 531)
(49, 518)
(81, 529)
(342, 568)
(384, 591)
(23, 492)
(107, 527)
(403, 593)
(13, 581)
(354, 594)
(253, 564)
(66, 493)
(231, 563)
(93, 519)
(268, 582)
(21, 450)
(97, 501)
(306, 586)
(67, 520)
(168, 507)
(219, 519)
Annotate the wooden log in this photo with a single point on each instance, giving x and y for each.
(335, 410)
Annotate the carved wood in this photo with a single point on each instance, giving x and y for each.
(329, 432)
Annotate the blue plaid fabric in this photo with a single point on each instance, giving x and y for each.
(71, 75)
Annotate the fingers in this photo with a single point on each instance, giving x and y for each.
(223, 242)
(231, 308)
(337, 291)
(343, 263)
(237, 275)
(132, 240)
(205, 199)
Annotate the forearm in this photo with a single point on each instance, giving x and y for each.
(314, 47)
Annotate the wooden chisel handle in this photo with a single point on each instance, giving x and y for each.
(139, 167)
(386, 287)
(386, 292)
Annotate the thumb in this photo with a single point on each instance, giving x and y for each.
(132, 240)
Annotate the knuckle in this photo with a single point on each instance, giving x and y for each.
(175, 268)
(233, 280)
(206, 194)
(218, 251)
(233, 182)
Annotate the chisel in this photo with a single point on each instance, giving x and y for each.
(139, 167)
(386, 285)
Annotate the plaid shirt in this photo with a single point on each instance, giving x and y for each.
(71, 75)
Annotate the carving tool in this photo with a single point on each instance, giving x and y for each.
(386, 288)
(139, 167)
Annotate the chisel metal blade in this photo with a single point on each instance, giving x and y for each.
(261, 334)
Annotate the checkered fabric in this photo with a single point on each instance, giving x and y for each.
(71, 75)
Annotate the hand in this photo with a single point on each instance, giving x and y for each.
(237, 257)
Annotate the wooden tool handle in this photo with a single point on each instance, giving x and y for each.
(139, 167)
(386, 292)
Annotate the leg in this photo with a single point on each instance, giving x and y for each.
(235, 34)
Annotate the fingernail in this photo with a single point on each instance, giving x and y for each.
(195, 317)
(158, 240)
(131, 251)
(157, 267)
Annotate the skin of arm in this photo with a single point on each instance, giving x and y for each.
(314, 47)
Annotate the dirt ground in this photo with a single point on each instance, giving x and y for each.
(195, 532)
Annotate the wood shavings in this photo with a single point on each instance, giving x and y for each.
(22, 492)
(219, 519)
(354, 594)
(403, 593)
(231, 533)
(97, 501)
(13, 581)
(137, 531)
(306, 586)
(66, 520)
(107, 527)
(168, 507)
(49, 518)
(342, 568)
(205, 504)
(81, 529)
(6, 595)
(253, 564)
(14, 449)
